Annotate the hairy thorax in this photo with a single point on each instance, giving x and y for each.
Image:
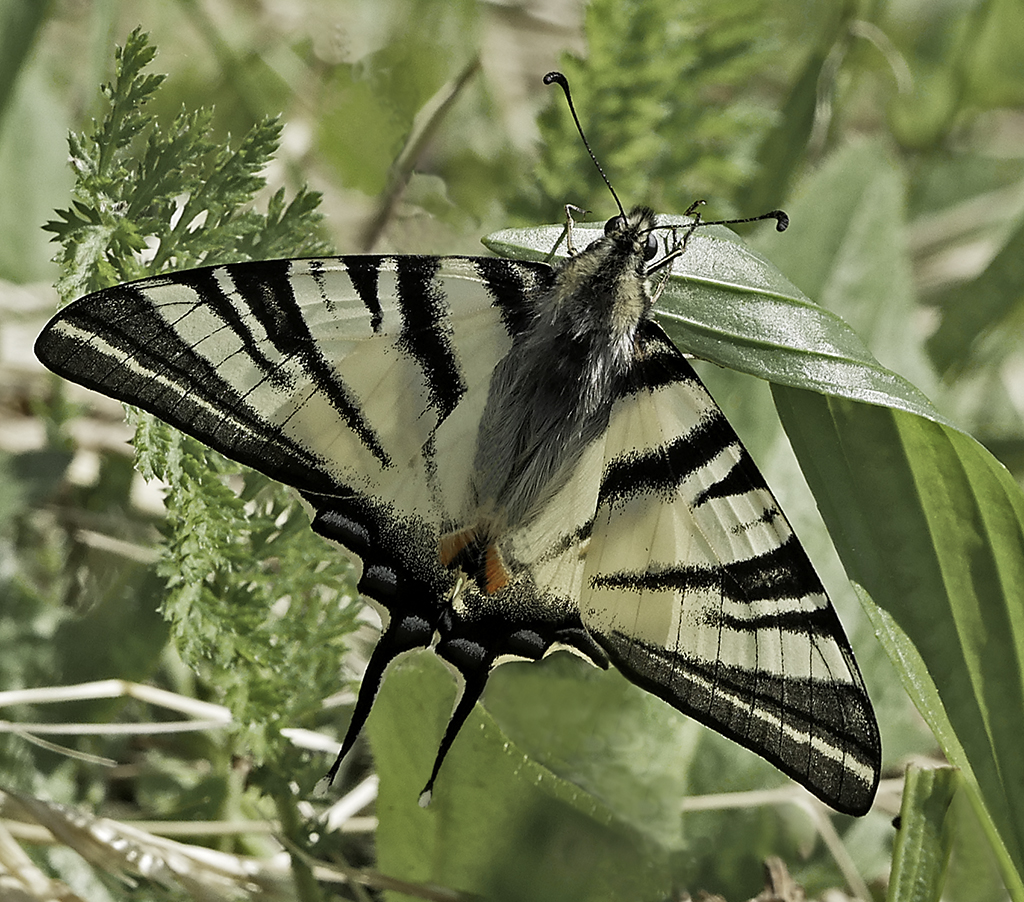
(552, 393)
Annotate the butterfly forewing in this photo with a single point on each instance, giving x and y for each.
(312, 371)
(698, 590)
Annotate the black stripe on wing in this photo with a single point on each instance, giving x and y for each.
(662, 470)
(426, 330)
(742, 477)
(658, 362)
(514, 286)
(820, 732)
(266, 289)
(783, 572)
(363, 271)
(155, 369)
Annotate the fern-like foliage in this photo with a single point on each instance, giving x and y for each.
(250, 589)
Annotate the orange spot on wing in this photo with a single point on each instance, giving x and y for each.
(495, 575)
(479, 558)
(453, 544)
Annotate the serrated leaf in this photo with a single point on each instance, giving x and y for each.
(224, 597)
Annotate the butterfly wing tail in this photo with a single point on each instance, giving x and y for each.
(472, 689)
(402, 635)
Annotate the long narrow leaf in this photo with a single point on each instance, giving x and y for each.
(925, 836)
(932, 526)
(972, 309)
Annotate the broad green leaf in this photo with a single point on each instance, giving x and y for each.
(642, 759)
(605, 735)
(846, 247)
(586, 771)
(728, 304)
(499, 824)
(925, 835)
(978, 864)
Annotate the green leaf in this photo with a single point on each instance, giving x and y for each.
(932, 527)
(170, 187)
(607, 736)
(972, 309)
(923, 517)
(646, 92)
(783, 148)
(20, 23)
(919, 685)
(728, 304)
(141, 182)
(567, 845)
(925, 835)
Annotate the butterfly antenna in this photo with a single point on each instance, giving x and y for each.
(557, 78)
(781, 220)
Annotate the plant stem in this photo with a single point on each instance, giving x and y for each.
(306, 887)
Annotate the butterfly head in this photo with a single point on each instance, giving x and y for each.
(635, 232)
(630, 239)
(602, 294)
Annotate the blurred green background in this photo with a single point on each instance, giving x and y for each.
(425, 126)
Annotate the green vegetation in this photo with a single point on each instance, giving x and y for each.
(889, 133)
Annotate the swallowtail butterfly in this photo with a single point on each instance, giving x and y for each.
(522, 460)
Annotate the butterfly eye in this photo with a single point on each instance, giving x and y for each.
(615, 224)
(652, 246)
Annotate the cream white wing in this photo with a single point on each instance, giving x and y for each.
(331, 375)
